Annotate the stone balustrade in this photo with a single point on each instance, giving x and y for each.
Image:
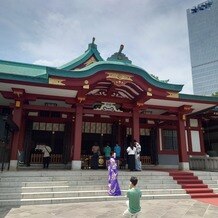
(203, 163)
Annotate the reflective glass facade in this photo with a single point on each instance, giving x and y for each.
(203, 40)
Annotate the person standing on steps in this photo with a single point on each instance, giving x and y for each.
(138, 165)
(95, 155)
(113, 185)
(131, 151)
(46, 150)
(107, 153)
(117, 150)
(134, 195)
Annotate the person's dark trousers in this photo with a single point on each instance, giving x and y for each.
(131, 159)
(95, 161)
(46, 161)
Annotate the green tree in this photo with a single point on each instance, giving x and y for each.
(215, 94)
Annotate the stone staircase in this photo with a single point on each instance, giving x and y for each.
(193, 185)
(209, 178)
(66, 186)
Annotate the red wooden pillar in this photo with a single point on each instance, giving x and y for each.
(183, 156)
(17, 118)
(71, 118)
(189, 136)
(135, 126)
(118, 140)
(22, 134)
(201, 135)
(76, 161)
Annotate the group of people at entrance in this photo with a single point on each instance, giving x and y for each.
(133, 153)
(107, 153)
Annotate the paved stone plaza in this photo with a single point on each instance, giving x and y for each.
(150, 209)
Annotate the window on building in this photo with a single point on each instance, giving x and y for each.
(44, 114)
(170, 141)
(56, 114)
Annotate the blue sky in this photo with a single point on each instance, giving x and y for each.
(53, 32)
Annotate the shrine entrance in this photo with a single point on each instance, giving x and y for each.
(51, 134)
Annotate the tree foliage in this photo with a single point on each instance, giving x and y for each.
(215, 94)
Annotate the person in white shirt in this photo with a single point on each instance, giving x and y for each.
(46, 150)
(138, 165)
(131, 151)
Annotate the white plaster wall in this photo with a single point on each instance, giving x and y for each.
(160, 139)
(186, 139)
(195, 138)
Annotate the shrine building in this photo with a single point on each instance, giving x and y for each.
(91, 100)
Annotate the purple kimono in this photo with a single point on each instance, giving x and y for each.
(113, 185)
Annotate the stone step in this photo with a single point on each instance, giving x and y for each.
(196, 190)
(204, 195)
(66, 186)
(18, 202)
(8, 189)
(78, 173)
(92, 174)
(73, 183)
(205, 173)
(63, 194)
(213, 186)
(79, 178)
(208, 177)
(24, 184)
(209, 181)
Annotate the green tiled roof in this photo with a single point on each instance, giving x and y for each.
(36, 73)
(198, 97)
(116, 66)
(91, 51)
(23, 72)
(16, 68)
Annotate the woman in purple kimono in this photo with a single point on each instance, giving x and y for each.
(113, 185)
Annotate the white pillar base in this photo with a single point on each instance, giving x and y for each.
(76, 165)
(184, 165)
(13, 165)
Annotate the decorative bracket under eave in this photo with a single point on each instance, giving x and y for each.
(18, 92)
(184, 110)
(81, 99)
(118, 79)
(173, 95)
(86, 84)
(56, 81)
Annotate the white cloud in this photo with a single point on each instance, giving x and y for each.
(54, 63)
(154, 32)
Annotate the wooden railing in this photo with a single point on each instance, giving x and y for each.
(38, 158)
(203, 163)
(86, 161)
(145, 160)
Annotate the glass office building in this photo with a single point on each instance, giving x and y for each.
(203, 40)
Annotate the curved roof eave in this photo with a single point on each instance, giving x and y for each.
(92, 50)
(198, 97)
(25, 78)
(114, 66)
